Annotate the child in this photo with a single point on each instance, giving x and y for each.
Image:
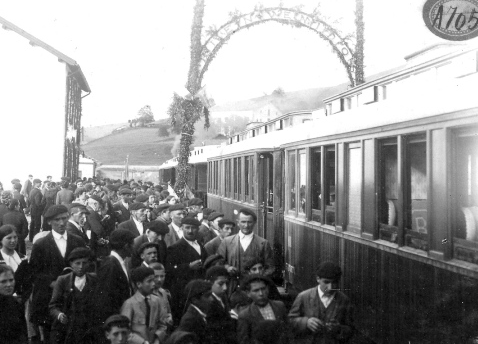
(144, 309)
(163, 294)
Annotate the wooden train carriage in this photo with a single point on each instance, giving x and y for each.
(387, 186)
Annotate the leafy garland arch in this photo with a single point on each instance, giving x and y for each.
(184, 112)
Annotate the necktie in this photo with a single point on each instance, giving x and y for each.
(148, 311)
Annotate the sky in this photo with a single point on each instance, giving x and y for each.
(137, 53)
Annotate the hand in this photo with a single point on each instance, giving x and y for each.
(333, 326)
(196, 265)
(315, 324)
(63, 318)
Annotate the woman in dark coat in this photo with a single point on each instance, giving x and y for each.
(16, 218)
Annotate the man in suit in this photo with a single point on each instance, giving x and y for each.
(76, 225)
(177, 213)
(155, 230)
(162, 213)
(261, 314)
(213, 230)
(323, 314)
(19, 196)
(94, 223)
(184, 263)
(122, 206)
(64, 196)
(36, 208)
(114, 284)
(138, 216)
(240, 248)
(48, 259)
(225, 229)
(194, 320)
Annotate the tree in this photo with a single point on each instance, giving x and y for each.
(278, 92)
(163, 130)
(145, 115)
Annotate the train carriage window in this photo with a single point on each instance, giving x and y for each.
(388, 194)
(216, 176)
(239, 178)
(292, 186)
(354, 187)
(302, 181)
(227, 178)
(252, 181)
(317, 185)
(235, 178)
(466, 196)
(246, 178)
(329, 191)
(415, 197)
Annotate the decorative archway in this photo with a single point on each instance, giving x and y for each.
(341, 45)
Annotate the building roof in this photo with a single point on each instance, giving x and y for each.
(74, 68)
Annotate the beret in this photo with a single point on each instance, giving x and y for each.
(118, 320)
(97, 199)
(190, 221)
(146, 245)
(125, 191)
(178, 206)
(164, 193)
(79, 252)
(158, 187)
(196, 201)
(140, 273)
(121, 237)
(16, 180)
(35, 181)
(206, 212)
(142, 198)
(81, 208)
(214, 272)
(256, 278)
(55, 210)
(111, 187)
(163, 206)
(197, 287)
(253, 262)
(159, 227)
(329, 270)
(137, 206)
(223, 222)
(211, 260)
(214, 216)
(193, 214)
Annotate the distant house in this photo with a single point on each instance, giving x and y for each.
(40, 107)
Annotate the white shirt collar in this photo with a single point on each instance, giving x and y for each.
(138, 224)
(74, 223)
(199, 311)
(176, 228)
(205, 224)
(117, 256)
(58, 236)
(325, 299)
(244, 236)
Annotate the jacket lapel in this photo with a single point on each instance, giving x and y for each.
(54, 248)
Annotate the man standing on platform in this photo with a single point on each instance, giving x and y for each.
(122, 206)
(176, 212)
(245, 246)
(36, 208)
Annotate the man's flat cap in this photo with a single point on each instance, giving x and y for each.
(137, 206)
(140, 273)
(117, 320)
(16, 180)
(223, 222)
(252, 262)
(159, 227)
(329, 270)
(196, 201)
(125, 191)
(35, 181)
(142, 198)
(111, 187)
(79, 252)
(163, 206)
(97, 199)
(55, 210)
(197, 287)
(121, 237)
(206, 212)
(190, 221)
(178, 206)
(215, 259)
(80, 208)
(214, 216)
(256, 278)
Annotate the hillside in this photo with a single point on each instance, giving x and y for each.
(93, 133)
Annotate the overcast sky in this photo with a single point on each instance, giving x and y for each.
(135, 53)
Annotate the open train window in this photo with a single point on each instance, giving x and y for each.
(292, 186)
(388, 190)
(252, 181)
(415, 193)
(329, 190)
(354, 187)
(316, 184)
(239, 179)
(235, 177)
(465, 175)
(302, 181)
(246, 177)
(227, 181)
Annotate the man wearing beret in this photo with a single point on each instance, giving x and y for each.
(122, 206)
(155, 230)
(184, 262)
(323, 314)
(138, 216)
(162, 213)
(76, 225)
(95, 224)
(213, 230)
(48, 259)
(177, 214)
(36, 208)
(196, 205)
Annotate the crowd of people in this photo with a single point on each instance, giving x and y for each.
(129, 262)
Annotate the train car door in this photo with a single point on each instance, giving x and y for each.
(272, 206)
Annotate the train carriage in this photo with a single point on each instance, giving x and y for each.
(387, 185)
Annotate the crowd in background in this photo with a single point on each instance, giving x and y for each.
(131, 262)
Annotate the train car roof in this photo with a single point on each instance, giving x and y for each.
(197, 156)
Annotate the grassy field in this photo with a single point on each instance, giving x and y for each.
(96, 132)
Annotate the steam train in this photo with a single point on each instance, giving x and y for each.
(382, 180)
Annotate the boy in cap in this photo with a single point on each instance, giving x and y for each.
(72, 300)
(163, 294)
(323, 314)
(144, 309)
(155, 231)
